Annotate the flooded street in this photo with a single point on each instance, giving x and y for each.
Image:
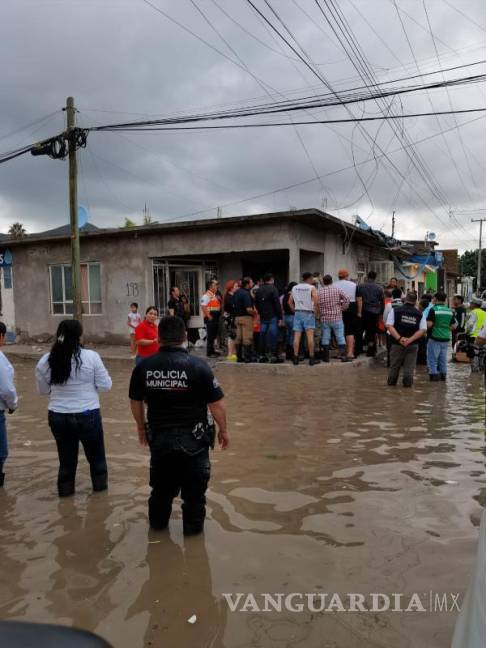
(333, 483)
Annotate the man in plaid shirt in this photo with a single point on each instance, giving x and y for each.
(332, 302)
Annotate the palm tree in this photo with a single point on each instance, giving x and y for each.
(17, 231)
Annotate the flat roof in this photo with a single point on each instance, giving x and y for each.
(313, 217)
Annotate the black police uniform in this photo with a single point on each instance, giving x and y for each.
(407, 320)
(177, 389)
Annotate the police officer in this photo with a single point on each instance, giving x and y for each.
(406, 325)
(178, 389)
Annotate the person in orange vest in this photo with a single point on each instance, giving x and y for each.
(211, 308)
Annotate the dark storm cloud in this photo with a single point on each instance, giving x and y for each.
(123, 60)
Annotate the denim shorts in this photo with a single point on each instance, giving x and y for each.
(304, 320)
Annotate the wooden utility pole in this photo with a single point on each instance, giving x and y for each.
(393, 224)
(73, 210)
(480, 255)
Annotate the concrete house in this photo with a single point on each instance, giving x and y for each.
(142, 263)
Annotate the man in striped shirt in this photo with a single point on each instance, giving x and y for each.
(332, 302)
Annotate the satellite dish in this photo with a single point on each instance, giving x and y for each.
(431, 236)
(83, 215)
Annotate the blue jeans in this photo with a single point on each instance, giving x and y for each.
(289, 323)
(337, 327)
(3, 440)
(269, 332)
(437, 356)
(304, 320)
(70, 429)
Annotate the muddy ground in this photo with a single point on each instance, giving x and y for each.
(333, 483)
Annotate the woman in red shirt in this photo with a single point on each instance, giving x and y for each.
(146, 335)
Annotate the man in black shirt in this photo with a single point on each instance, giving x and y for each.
(406, 325)
(244, 313)
(178, 390)
(459, 311)
(267, 303)
(370, 303)
(175, 304)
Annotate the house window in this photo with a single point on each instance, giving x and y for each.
(62, 294)
(7, 277)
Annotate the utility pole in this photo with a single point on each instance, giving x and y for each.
(73, 209)
(480, 255)
(393, 224)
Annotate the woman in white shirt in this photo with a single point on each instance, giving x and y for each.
(72, 377)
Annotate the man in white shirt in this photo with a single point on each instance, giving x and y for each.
(304, 301)
(349, 315)
(8, 400)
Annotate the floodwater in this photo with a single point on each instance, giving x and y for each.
(334, 483)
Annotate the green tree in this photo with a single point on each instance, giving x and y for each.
(16, 231)
(469, 263)
(129, 223)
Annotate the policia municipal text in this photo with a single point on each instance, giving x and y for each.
(178, 390)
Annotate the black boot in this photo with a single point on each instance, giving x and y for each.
(443, 376)
(276, 359)
(65, 489)
(434, 377)
(289, 353)
(239, 353)
(2, 479)
(192, 528)
(342, 353)
(325, 353)
(247, 354)
(100, 482)
(371, 352)
(313, 360)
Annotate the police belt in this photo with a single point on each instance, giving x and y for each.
(190, 440)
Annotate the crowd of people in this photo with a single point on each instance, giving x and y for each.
(255, 322)
(259, 323)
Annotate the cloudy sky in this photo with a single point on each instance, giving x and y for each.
(123, 60)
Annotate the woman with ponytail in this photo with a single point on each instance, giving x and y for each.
(72, 377)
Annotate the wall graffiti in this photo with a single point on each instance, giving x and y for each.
(133, 289)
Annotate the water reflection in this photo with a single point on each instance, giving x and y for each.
(333, 483)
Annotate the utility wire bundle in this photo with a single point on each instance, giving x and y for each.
(55, 147)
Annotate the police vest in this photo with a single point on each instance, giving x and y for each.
(407, 321)
(480, 321)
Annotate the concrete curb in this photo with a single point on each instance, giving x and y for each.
(289, 368)
(285, 368)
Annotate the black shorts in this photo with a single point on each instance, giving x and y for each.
(350, 319)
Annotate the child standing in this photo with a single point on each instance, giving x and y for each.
(134, 319)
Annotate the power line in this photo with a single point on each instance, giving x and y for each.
(168, 127)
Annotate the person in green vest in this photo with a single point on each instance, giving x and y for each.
(441, 323)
